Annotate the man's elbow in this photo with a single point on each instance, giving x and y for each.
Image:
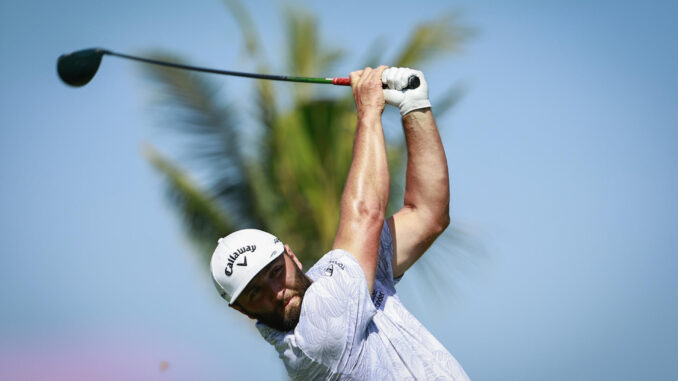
(368, 212)
(440, 222)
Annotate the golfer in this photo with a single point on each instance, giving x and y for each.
(343, 320)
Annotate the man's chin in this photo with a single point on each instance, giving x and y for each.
(292, 312)
(289, 319)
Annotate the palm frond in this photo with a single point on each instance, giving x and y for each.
(454, 256)
(201, 214)
(306, 55)
(266, 104)
(247, 28)
(432, 39)
(209, 133)
(302, 39)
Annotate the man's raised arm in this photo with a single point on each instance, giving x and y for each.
(425, 213)
(363, 203)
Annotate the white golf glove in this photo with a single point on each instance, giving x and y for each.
(409, 100)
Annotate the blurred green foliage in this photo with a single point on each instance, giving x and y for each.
(284, 170)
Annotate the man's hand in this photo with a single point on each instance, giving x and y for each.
(367, 90)
(409, 100)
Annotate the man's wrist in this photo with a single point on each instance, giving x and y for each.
(371, 114)
(417, 113)
(415, 105)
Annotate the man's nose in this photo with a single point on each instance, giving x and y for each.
(280, 294)
(277, 289)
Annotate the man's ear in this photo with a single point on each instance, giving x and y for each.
(294, 257)
(241, 310)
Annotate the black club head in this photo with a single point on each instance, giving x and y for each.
(78, 68)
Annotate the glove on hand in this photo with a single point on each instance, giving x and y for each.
(409, 100)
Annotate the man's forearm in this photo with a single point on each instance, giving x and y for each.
(363, 203)
(367, 184)
(427, 188)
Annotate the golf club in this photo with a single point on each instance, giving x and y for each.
(78, 68)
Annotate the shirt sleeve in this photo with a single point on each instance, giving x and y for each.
(385, 264)
(336, 313)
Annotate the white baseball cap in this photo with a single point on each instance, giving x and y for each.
(239, 257)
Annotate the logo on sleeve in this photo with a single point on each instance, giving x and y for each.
(329, 270)
(231, 258)
(341, 265)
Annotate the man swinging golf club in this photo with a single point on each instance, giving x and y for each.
(343, 318)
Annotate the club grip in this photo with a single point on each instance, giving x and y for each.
(412, 82)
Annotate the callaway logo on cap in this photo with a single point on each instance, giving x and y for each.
(239, 257)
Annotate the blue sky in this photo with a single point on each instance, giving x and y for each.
(563, 159)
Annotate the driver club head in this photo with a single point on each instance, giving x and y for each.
(78, 68)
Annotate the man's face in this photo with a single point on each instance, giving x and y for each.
(274, 296)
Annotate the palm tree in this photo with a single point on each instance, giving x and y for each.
(281, 167)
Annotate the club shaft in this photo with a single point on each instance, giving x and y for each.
(288, 78)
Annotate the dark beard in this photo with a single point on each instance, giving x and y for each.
(280, 321)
